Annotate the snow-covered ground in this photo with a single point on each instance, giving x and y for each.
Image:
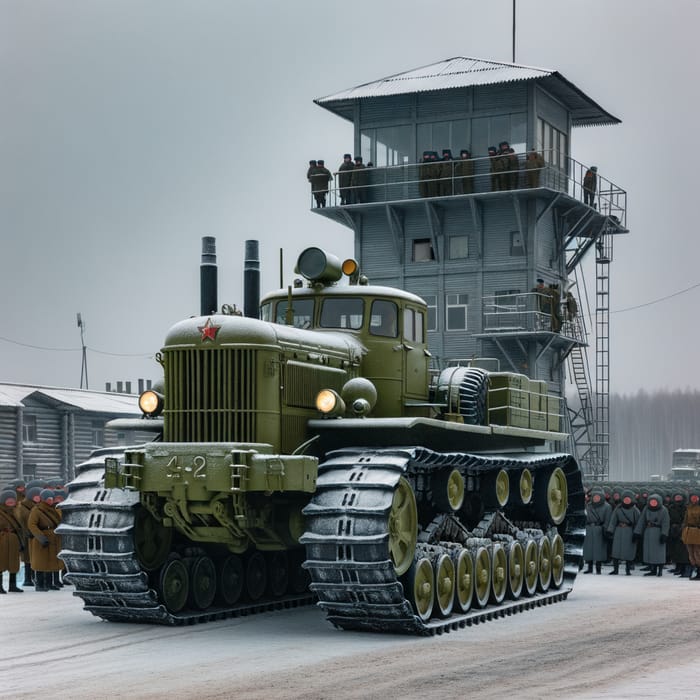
(615, 637)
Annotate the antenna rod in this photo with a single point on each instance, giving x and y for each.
(83, 367)
(513, 31)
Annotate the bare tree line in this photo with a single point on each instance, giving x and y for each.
(646, 428)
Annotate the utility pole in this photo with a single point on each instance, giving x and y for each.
(83, 368)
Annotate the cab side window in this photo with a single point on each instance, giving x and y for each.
(384, 319)
(413, 325)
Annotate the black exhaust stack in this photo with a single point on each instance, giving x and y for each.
(251, 280)
(208, 277)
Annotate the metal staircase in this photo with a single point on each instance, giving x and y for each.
(590, 422)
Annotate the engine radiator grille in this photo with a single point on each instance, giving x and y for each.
(210, 396)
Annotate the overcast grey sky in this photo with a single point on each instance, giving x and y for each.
(132, 128)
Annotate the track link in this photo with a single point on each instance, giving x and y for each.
(98, 551)
(347, 538)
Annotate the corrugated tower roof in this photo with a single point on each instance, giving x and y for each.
(461, 72)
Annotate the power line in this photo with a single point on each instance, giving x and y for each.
(95, 350)
(656, 301)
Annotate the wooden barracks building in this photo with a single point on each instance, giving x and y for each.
(45, 432)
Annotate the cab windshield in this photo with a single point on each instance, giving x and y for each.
(302, 313)
(342, 313)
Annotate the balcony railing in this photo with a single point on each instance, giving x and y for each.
(435, 179)
(529, 312)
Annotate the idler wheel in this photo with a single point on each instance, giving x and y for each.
(174, 585)
(152, 541)
(420, 587)
(256, 576)
(278, 574)
(531, 567)
(202, 583)
(444, 584)
(482, 576)
(545, 563)
(499, 574)
(464, 580)
(403, 527)
(231, 578)
(557, 560)
(516, 570)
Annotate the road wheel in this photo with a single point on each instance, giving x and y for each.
(174, 585)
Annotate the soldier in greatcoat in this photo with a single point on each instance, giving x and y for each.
(690, 533)
(11, 540)
(621, 527)
(595, 546)
(464, 173)
(675, 548)
(46, 544)
(495, 167)
(345, 179)
(556, 307)
(652, 527)
(446, 173)
(534, 162)
(590, 185)
(22, 509)
(320, 177)
(359, 179)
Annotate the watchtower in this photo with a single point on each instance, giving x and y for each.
(473, 239)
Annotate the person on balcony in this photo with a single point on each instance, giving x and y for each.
(508, 166)
(495, 165)
(345, 179)
(534, 162)
(446, 173)
(464, 173)
(429, 173)
(320, 177)
(359, 179)
(590, 185)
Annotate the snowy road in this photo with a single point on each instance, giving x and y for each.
(615, 637)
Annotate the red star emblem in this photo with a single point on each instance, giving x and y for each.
(208, 330)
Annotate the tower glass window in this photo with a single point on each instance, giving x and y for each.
(456, 311)
(391, 145)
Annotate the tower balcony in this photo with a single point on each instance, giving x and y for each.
(559, 182)
(518, 320)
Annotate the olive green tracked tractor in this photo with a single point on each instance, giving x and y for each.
(313, 454)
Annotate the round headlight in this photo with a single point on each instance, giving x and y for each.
(329, 403)
(151, 402)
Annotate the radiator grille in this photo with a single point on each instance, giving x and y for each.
(209, 395)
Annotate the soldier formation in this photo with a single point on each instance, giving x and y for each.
(649, 524)
(28, 522)
(438, 174)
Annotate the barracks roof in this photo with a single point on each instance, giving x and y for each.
(461, 72)
(91, 401)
